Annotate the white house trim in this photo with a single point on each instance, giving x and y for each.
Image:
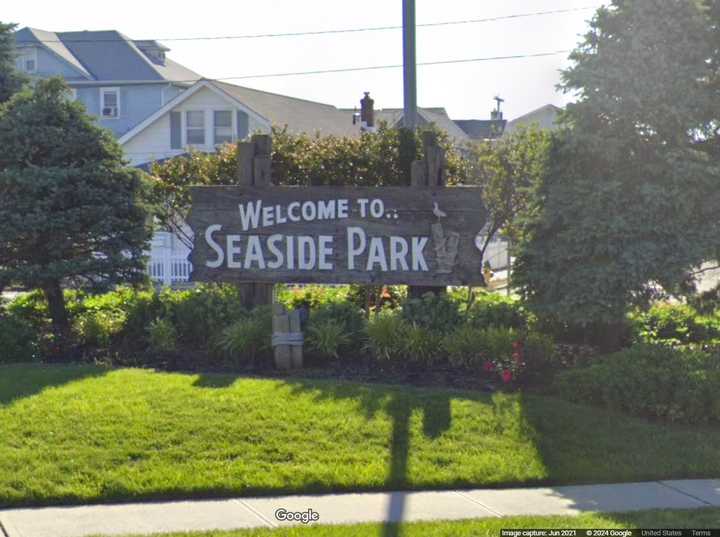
(118, 104)
(182, 97)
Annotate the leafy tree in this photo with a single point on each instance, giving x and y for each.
(70, 211)
(630, 198)
(11, 81)
(380, 158)
(508, 170)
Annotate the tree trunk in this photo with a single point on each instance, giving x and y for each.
(60, 322)
(611, 336)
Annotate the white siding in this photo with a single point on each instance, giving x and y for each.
(153, 143)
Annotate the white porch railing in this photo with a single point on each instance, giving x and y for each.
(168, 269)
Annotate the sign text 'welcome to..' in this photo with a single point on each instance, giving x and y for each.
(390, 235)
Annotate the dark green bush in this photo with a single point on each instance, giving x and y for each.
(492, 309)
(19, 340)
(649, 380)
(347, 314)
(539, 357)
(438, 313)
(199, 313)
(162, 336)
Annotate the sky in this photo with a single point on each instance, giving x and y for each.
(465, 90)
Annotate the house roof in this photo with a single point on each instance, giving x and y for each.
(299, 115)
(544, 117)
(437, 115)
(51, 41)
(105, 55)
(482, 129)
(182, 97)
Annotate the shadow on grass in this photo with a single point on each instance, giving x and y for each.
(214, 381)
(400, 403)
(18, 381)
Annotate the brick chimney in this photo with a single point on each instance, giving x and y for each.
(367, 113)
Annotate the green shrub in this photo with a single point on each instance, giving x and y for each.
(326, 337)
(438, 313)
(311, 296)
(162, 336)
(494, 350)
(19, 340)
(347, 314)
(96, 328)
(649, 380)
(465, 347)
(674, 324)
(32, 308)
(386, 334)
(200, 313)
(492, 309)
(539, 356)
(247, 340)
(498, 345)
(422, 346)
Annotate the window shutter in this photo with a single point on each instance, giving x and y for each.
(175, 131)
(242, 125)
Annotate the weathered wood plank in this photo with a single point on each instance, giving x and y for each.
(389, 235)
(281, 325)
(296, 351)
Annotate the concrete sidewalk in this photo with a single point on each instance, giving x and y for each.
(144, 518)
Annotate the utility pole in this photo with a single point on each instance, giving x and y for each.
(409, 66)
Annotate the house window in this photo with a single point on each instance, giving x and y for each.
(195, 127)
(27, 60)
(223, 126)
(110, 103)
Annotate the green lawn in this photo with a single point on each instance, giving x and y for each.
(85, 434)
(706, 518)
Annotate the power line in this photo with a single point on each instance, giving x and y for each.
(330, 32)
(379, 67)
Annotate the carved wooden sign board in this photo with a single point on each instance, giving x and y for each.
(385, 235)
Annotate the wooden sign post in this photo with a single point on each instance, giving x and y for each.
(430, 172)
(254, 165)
(256, 234)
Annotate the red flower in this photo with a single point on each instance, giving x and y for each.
(507, 376)
(488, 366)
(517, 356)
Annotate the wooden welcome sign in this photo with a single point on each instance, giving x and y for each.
(389, 235)
(385, 235)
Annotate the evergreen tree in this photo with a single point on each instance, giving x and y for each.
(630, 198)
(11, 81)
(70, 211)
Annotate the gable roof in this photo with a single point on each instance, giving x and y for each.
(482, 129)
(544, 117)
(51, 41)
(182, 97)
(437, 115)
(105, 55)
(299, 115)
